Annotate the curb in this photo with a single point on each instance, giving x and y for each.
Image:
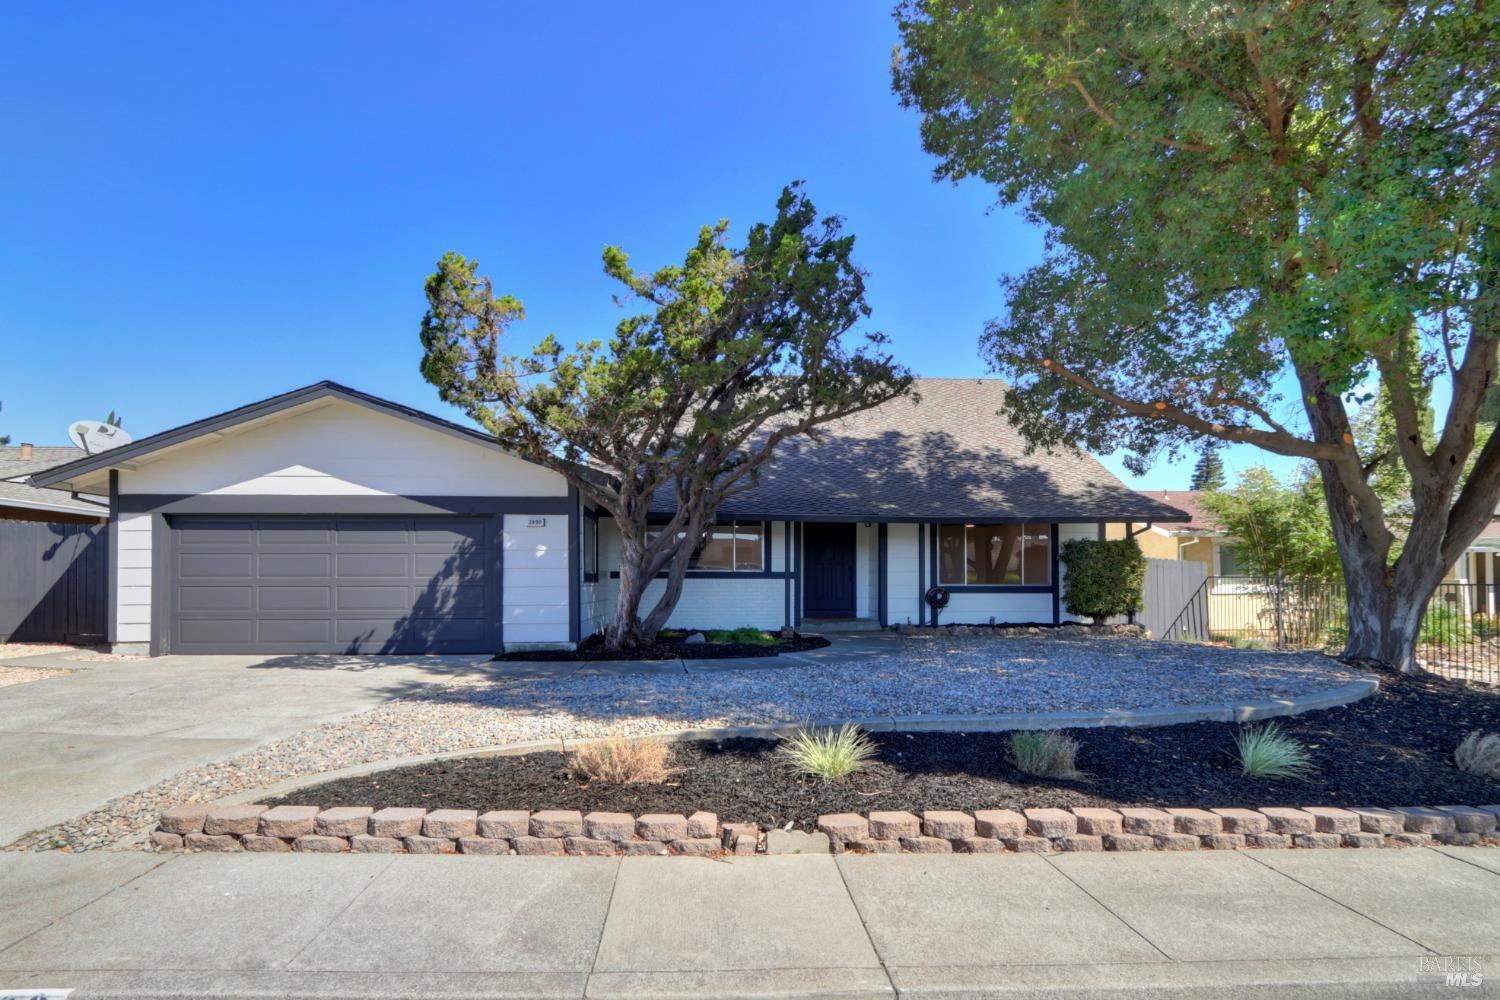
(1247, 712)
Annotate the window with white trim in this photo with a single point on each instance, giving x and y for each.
(1007, 555)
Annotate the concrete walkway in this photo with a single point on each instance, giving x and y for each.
(1267, 923)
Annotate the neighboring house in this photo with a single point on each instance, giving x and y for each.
(1200, 539)
(329, 520)
(20, 501)
(1479, 571)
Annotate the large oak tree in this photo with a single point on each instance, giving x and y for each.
(737, 350)
(1241, 197)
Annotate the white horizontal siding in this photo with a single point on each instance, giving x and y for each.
(977, 609)
(901, 573)
(133, 578)
(535, 598)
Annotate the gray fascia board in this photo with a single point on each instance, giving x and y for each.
(255, 411)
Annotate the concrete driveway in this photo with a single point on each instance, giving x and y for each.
(73, 742)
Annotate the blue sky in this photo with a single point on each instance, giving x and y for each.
(207, 204)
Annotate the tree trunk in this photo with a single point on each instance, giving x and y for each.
(1385, 618)
(625, 632)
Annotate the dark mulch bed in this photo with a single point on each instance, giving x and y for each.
(672, 647)
(1390, 749)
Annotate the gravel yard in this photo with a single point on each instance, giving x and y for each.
(934, 675)
(20, 675)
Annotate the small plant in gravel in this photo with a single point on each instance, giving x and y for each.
(624, 762)
(747, 636)
(826, 753)
(1267, 752)
(1045, 754)
(1479, 754)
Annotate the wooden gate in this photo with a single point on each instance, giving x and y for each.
(1171, 585)
(54, 581)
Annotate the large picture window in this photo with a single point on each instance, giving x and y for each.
(735, 547)
(994, 555)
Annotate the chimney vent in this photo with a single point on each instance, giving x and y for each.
(25, 451)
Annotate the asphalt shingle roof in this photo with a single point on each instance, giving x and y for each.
(32, 497)
(946, 454)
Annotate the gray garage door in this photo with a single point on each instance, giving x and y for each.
(333, 585)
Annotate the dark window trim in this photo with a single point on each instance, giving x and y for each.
(710, 574)
(1000, 588)
(583, 537)
(718, 574)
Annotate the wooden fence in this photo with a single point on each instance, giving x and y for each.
(1170, 585)
(54, 582)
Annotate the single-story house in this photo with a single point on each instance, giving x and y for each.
(329, 520)
(1201, 538)
(20, 501)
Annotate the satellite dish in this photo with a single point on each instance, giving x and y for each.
(94, 436)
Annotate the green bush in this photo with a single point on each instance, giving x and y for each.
(826, 753)
(1483, 625)
(747, 635)
(1444, 625)
(1045, 754)
(1104, 578)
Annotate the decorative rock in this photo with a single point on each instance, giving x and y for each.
(877, 846)
(1223, 841)
(422, 844)
(343, 821)
(538, 845)
(589, 846)
(508, 824)
(1098, 822)
(288, 821)
(1198, 822)
(364, 843)
(1318, 840)
(1246, 821)
(258, 844)
(796, 842)
(894, 825)
(1330, 820)
(1405, 839)
(1051, 823)
(164, 841)
(1289, 821)
(1027, 844)
(553, 823)
(609, 826)
(697, 847)
(396, 822)
(234, 820)
(999, 823)
(1364, 839)
(927, 845)
(1420, 819)
(483, 845)
(639, 848)
(661, 826)
(451, 823)
(1470, 820)
(222, 842)
(1128, 842)
(313, 843)
(1176, 842)
(1380, 820)
(946, 824)
(1080, 842)
(703, 824)
(1146, 822)
(1457, 838)
(1270, 841)
(978, 845)
(184, 819)
(844, 827)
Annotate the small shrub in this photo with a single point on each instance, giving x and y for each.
(1484, 625)
(1444, 625)
(747, 636)
(1241, 642)
(827, 753)
(1267, 752)
(1104, 578)
(1479, 754)
(1045, 754)
(624, 762)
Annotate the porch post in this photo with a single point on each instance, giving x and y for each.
(921, 574)
(786, 573)
(1056, 583)
(881, 566)
(797, 585)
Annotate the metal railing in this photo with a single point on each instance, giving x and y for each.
(1460, 634)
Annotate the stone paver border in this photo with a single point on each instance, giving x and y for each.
(1243, 713)
(309, 829)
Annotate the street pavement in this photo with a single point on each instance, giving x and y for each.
(1314, 923)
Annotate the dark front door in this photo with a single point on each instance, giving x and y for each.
(828, 570)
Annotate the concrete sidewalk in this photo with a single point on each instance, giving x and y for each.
(1266, 923)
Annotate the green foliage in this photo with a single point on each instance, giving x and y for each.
(1484, 625)
(745, 635)
(1045, 754)
(1479, 754)
(1266, 752)
(1281, 529)
(736, 350)
(826, 753)
(1444, 624)
(1242, 642)
(1208, 473)
(1103, 578)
